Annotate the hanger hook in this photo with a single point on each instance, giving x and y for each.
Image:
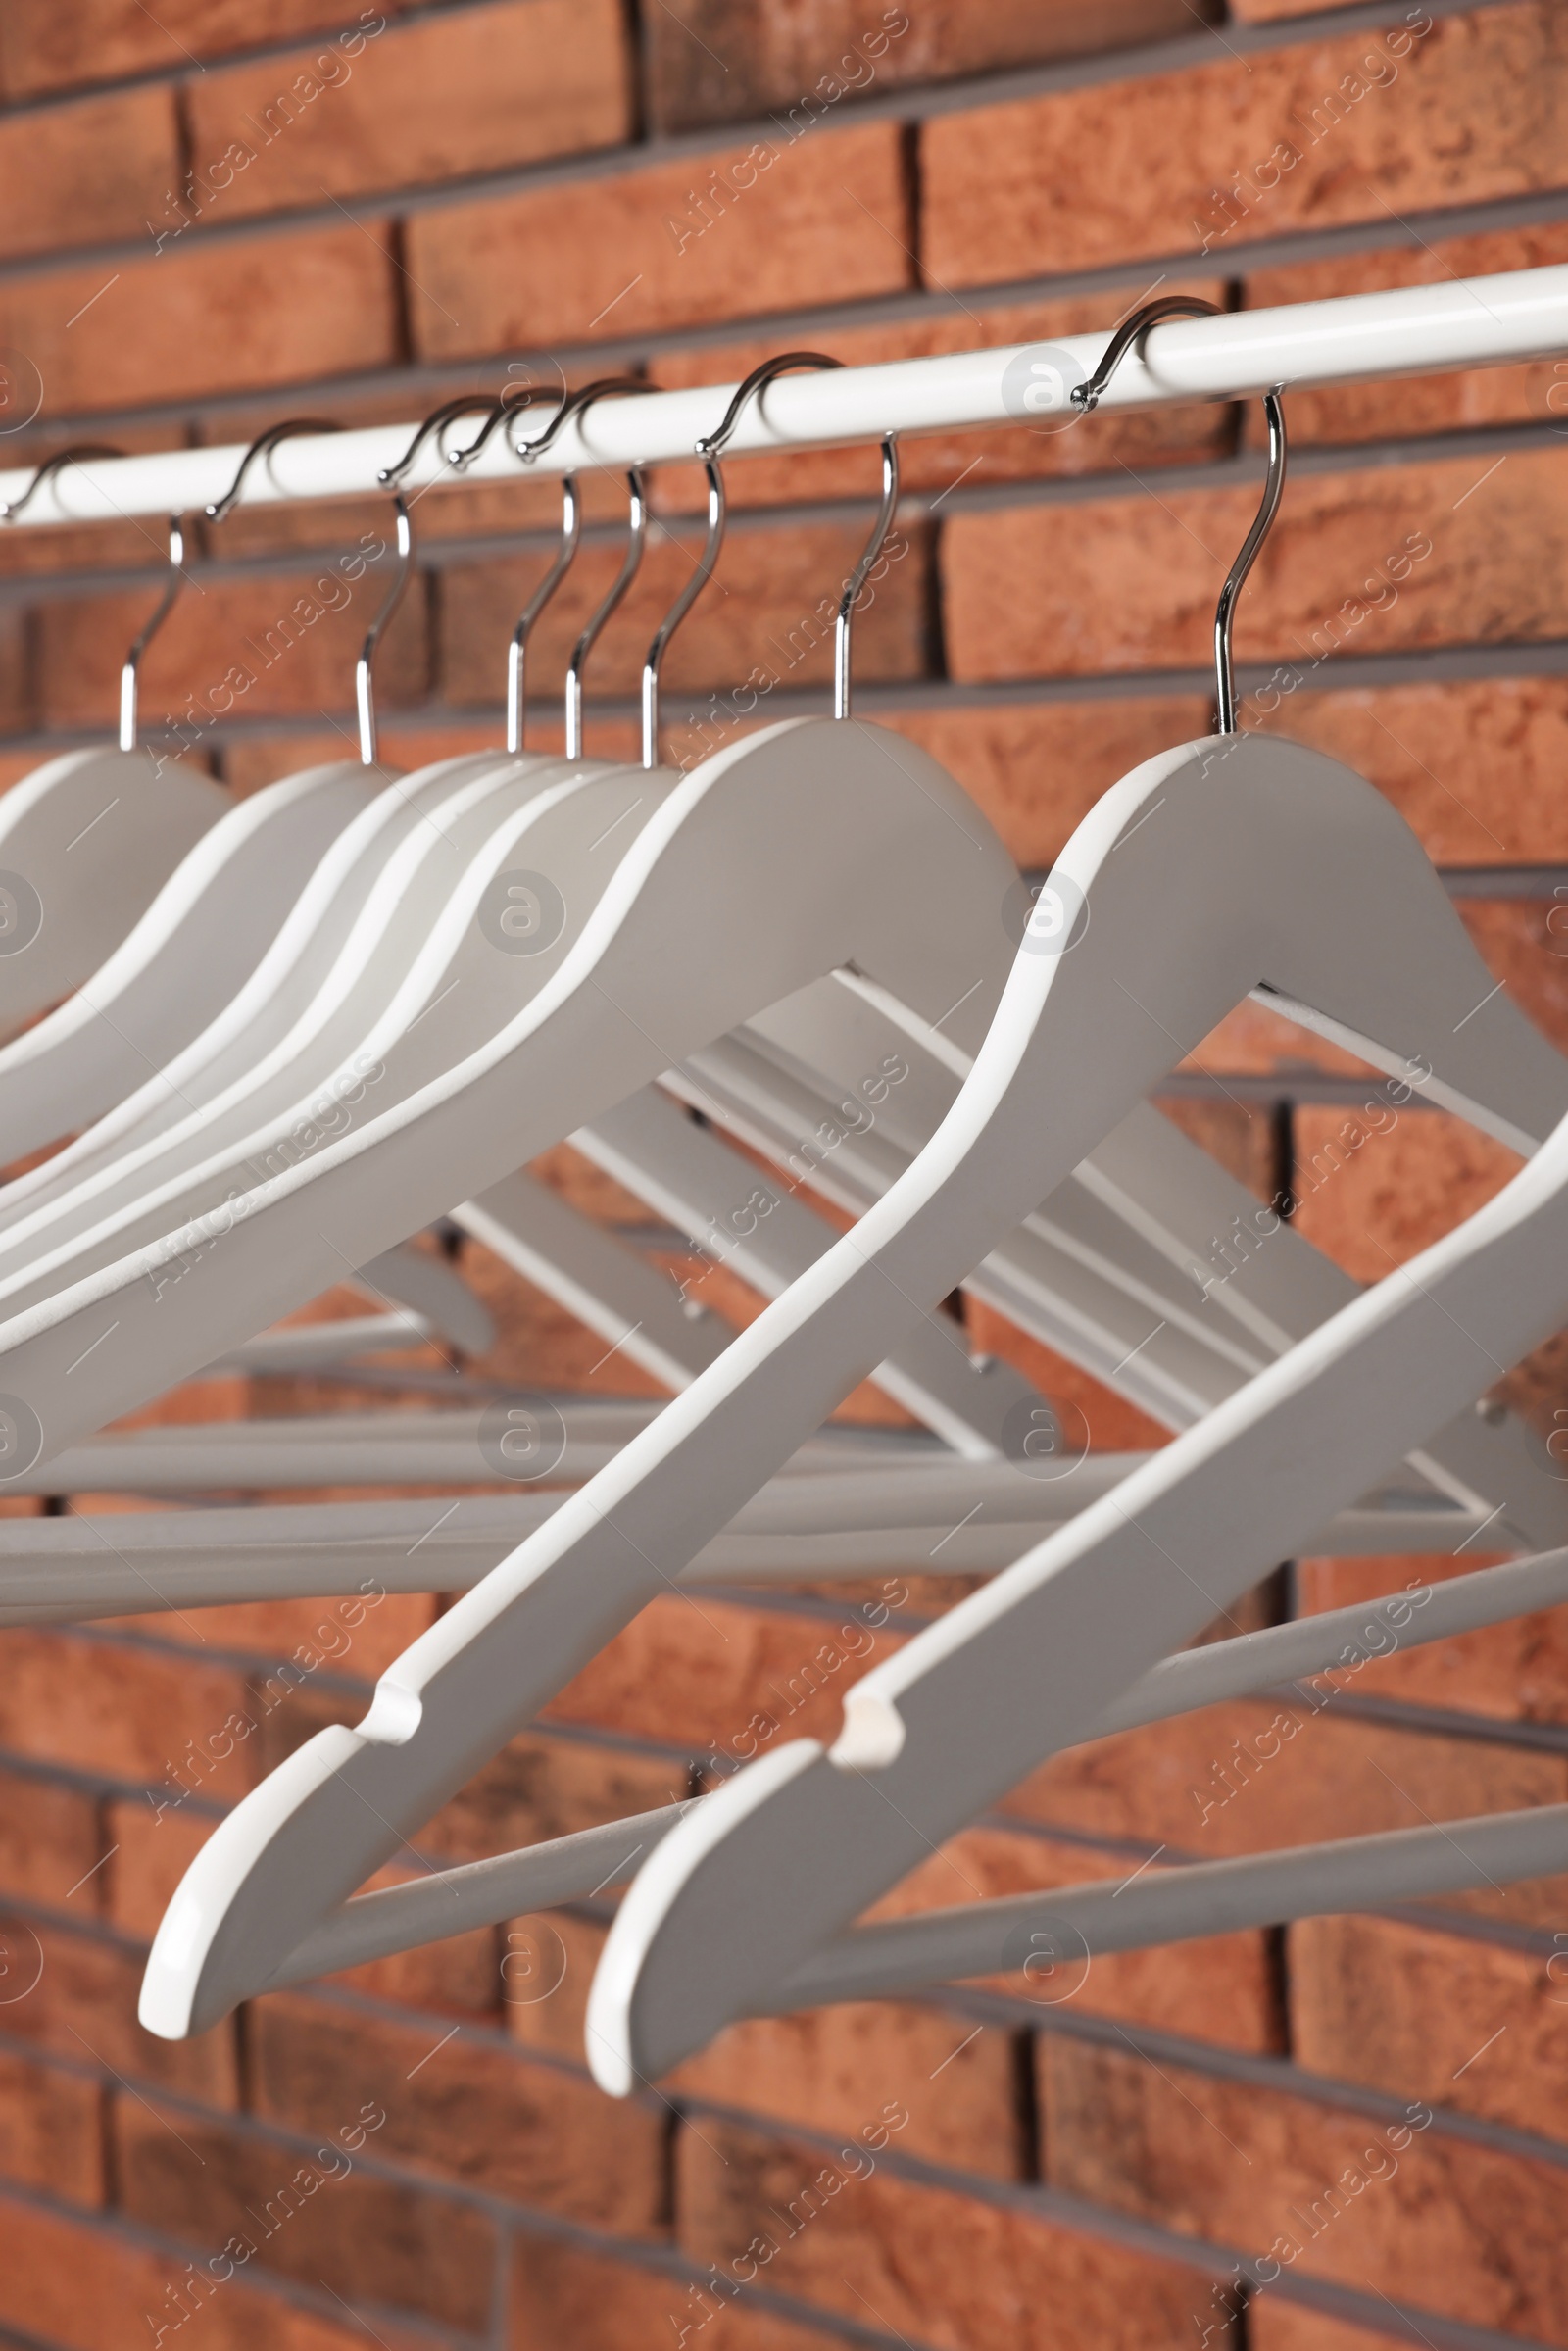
(262, 446)
(1087, 395)
(701, 573)
(708, 449)
(858, 576)
(578, 404)
(79, 454)
(465, 404)
(783, 363)
(518, 650)
(1227, 701)
(132, 665)
(364, 682)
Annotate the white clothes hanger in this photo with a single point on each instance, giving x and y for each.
(1300, 876)
(89, 838)
(378, 861)
(1126, 1298)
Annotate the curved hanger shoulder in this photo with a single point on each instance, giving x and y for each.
(85, 843)
(197, 942)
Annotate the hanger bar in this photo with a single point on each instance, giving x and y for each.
(1403, 330)
(1052, 1936)
(982, 1938)
(77, 1569)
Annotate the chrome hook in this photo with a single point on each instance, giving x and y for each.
(465, 404)
(132, 665)
(699, 577)
(1227, 701)
(518, 650)
(262, 446)
(364, 683)
(708, 449)
(572, 525)
(759, 381)
(858, 576)
(575, 404)
(1087, 395)
(78, 454)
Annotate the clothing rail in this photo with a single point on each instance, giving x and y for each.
(1407, 330)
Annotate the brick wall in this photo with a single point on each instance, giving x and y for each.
(212, 215)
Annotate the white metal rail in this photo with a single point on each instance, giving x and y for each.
(1407, 330)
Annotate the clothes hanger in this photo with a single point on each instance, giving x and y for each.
(963, 1388)
(891, 781)
(359, 875)
(87, 839)
(201, 936)
(1339, 908)
(1126, 1298)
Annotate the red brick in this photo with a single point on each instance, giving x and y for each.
(1200, 1784)
(1522, 941)
(557, 262)
(51, 2128)
(1132, 584)
(1240, 1138)
(1471, 765)
(725, 61)
(1440, 2223)
(540, 1343)
(1372, 1200)
(1517, 1671)
(829, 2069)
(1006, 194)
(1221, 1988)
(1416, 404)
(478, 91)
(711, 1672)
(191, 320)
(312, 2212)
(88, 173)
(101, 1707)
(916, 2260)
(294, 639)
(1425, 2015)
(49, 1838)
(1276, 2326)
(563, 2294)
(534, 2134)
(540, 1788)
(45, 48)
(82, 2006)
(317, 1636)
(1037, 768)
(100, 2288)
